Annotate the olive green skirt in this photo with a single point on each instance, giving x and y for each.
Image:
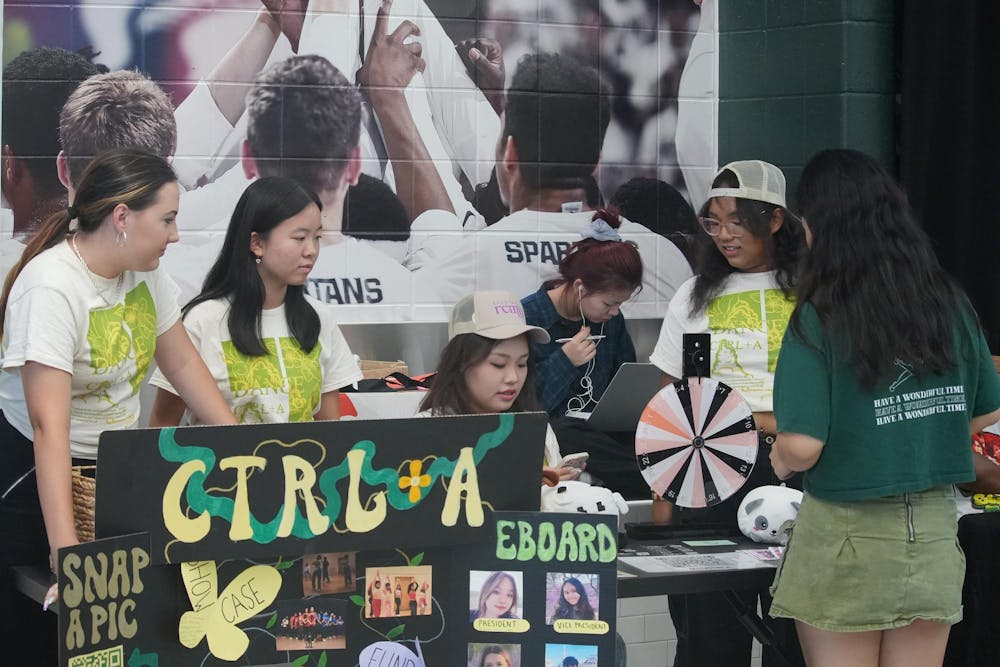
(872, 564)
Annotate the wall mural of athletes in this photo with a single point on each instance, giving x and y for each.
(423, 176)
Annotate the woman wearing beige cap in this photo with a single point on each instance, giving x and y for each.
(486, 367)
(742, 295)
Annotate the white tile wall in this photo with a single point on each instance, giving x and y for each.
(644, 623)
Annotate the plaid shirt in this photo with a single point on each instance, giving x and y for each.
(556, 379)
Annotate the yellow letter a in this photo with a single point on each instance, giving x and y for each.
(463, 479)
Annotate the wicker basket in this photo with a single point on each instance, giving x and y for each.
(373, 369)
(84, 489)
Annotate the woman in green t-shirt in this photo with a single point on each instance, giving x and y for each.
(882, 370)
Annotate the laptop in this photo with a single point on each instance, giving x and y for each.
(625, 398)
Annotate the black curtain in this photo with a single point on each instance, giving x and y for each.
(950, 145)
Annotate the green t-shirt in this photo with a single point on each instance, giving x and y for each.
(905, 435)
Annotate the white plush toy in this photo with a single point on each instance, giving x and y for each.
(582, 497)
(765, 510)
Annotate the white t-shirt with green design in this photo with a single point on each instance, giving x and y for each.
(747, 321)
(57, 317)
(287, 384)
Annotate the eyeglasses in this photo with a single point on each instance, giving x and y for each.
(713, 227)
(736, 227)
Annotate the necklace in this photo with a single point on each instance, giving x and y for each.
(90, 274)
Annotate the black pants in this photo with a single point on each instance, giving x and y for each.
(612, 455)
(709, 633)
(22, 534)
(975, 642)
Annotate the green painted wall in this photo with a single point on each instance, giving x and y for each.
(796, 76)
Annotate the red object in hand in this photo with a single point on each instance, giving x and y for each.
(988, 445)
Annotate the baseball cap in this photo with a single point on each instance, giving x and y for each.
(757, 180)
(492, 314)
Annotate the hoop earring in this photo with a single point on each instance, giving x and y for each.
(121, 238)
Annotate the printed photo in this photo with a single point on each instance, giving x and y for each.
(570, 655)
(571, 596)
(310, 624)
(494, 655)
(398, 591)
(494, 594)
(328, 573)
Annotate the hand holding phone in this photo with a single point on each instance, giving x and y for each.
(577, 460)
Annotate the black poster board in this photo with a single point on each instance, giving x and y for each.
(542, 554)
(103, 587)
(398, 595)
(228, 491)
(273, 612)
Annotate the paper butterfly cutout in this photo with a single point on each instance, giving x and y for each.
(216, 616)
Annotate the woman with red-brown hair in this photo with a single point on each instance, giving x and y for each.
(581, 311)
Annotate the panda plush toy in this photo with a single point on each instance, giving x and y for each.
(582, 497)
(765, 510)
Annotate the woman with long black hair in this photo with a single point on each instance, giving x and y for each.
(573, 603)
(742, 296)
(744, 288)
(275, 353)
(883, 373)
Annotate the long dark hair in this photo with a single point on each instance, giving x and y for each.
(871, 273)
(129, 177)
(265, 204)
(449, 393)
(583, 609)
(784, 248)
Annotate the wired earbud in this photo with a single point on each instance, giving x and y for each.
(582, 400)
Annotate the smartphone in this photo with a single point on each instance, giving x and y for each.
(594, 337)
(577, 460)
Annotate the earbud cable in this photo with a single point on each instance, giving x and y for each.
(586, 396)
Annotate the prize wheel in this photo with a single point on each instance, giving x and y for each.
(696, 442)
